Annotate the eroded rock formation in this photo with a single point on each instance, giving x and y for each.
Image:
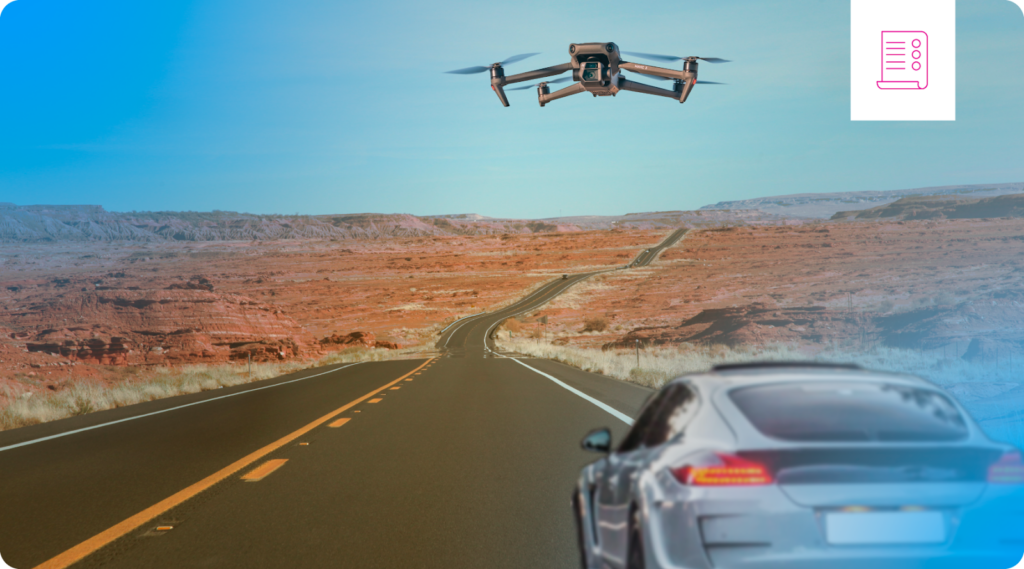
(185, 324)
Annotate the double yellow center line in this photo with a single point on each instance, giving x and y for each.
(106, 537)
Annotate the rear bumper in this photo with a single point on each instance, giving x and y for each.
(857, 558)
(761, 528)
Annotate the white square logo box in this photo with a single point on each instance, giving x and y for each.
(902, 60)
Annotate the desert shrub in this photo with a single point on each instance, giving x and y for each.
(512, 325)
(595, 324)
(537, 333)
(648, 377)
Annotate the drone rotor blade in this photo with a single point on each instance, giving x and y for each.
(710, 83)
(523, 88)
(715, 59)
(469, 70)
(519, 57)
(653, 56)
(482, 68)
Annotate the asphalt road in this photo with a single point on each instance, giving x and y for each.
(464, 460)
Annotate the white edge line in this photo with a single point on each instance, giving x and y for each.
(465, 321)
(620, 416)
(457, 321)
(34, 441)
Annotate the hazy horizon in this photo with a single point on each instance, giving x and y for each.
(494, 217)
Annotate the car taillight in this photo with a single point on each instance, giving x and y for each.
(1009, 469)
(731, 471)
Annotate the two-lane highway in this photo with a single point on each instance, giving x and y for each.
(447, 462)
(649, 255)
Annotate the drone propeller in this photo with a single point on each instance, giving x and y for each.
(481, 69)
(674, 58)
(562, 80)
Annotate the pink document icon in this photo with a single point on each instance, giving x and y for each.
(904, 60)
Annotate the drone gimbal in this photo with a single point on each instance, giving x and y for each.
(596, 68)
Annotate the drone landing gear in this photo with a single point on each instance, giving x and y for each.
(498, 82)
(501, 94)
(684, 88)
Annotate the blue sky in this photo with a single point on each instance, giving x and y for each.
(334, 107)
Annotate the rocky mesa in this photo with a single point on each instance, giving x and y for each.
(125, 327)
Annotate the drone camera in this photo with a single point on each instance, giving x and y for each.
(592, 72)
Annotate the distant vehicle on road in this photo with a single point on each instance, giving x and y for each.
(802, 466)
(564, 277)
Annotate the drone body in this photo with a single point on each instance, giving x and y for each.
(597, 69)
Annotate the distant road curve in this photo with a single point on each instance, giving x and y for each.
(470, 336)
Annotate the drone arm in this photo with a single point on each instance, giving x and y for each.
(656, 71)
(561, 93)
(627, 85)
(538, 74)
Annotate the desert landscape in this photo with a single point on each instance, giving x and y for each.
(92, 298)
(89, 311)
(948, 286)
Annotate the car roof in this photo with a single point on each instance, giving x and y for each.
(755, 373)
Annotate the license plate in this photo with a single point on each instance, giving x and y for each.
(885, 528)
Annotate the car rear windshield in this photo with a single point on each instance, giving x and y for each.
(850, 411)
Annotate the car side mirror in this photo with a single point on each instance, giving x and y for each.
(598, 440)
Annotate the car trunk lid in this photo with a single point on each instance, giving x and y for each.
(899, 477)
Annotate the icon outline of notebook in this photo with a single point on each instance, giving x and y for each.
(904, 60)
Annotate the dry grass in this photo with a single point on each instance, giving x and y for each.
(659, 364)
(656, 366)
(512, 325)
(30, 408)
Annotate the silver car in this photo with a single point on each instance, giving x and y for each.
(797, 466)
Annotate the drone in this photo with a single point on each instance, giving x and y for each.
(597, 69)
